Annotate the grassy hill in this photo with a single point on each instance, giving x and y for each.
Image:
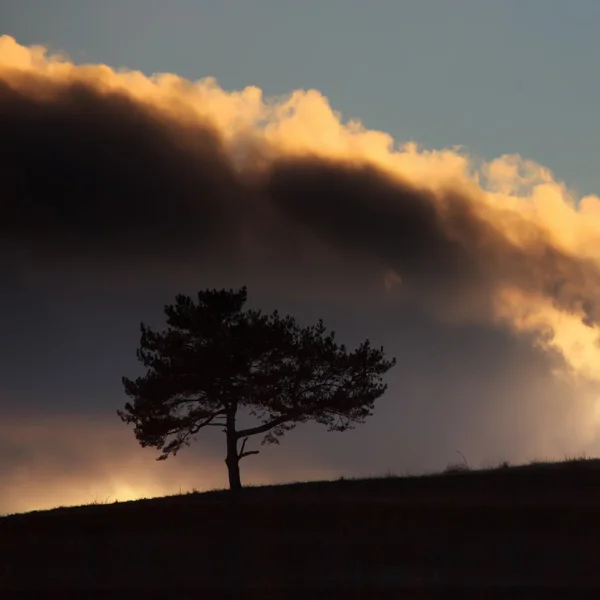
(510, 527)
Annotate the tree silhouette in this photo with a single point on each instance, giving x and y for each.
(215, 359)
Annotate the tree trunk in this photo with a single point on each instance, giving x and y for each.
(233, 462)
(235, 550)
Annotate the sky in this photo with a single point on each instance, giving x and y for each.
(422, 174)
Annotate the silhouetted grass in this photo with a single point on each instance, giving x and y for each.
(507, 525)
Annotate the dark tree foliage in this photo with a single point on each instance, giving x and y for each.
(215, 358)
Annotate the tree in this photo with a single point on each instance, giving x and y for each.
(215, 359)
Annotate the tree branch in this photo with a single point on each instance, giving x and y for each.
(198, 426)
(289, 416)
(242, 454)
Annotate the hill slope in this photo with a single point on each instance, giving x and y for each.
(517, 526)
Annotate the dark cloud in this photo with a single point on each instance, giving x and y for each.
(93, 175)
(97, 172)
(437, 245)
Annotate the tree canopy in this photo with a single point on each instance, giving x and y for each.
(216, 358)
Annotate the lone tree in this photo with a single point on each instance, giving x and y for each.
(215, 359)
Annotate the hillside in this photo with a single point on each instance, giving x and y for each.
(535, 525)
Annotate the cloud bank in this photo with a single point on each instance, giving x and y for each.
(114, 178)
(118, 166)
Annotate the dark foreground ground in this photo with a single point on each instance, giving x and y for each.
(519, 532)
